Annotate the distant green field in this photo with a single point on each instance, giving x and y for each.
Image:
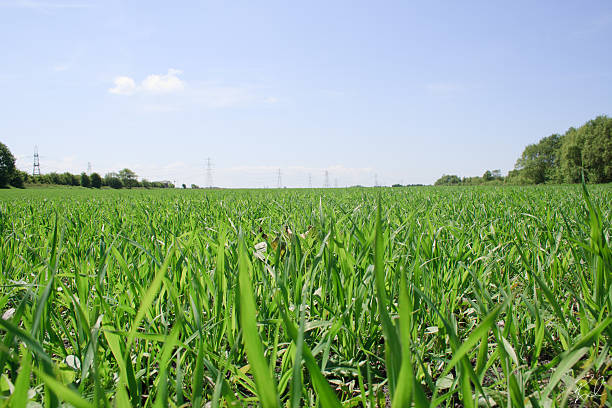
(439, 296)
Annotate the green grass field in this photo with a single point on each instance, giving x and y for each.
(426, 296)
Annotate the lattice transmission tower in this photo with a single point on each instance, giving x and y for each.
(36, 168)
(209, 173)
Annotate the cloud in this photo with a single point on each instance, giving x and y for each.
(163, 83)
(154, 83)
(177, 94)
(123, 86)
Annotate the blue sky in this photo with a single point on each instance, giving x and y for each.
(402, 91)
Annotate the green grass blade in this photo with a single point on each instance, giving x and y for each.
(64, 393)
(266, 388)
(197, 382)
(475, 336)
(19, 398)
(326, 395)
(149, 297)
(392, 344)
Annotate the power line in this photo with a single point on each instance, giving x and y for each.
(309, 180)
(375, 180)
(89, 168)
(36, 168)
(326, 179)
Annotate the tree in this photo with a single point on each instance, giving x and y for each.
(514, 177)
(539, 162)
(96, 180)
(85, 180)
(588, 149)
(128, 178)
(597, 150)
(7, 165)
(19, 178)
(54, 178)
(570, 165)
(448, 180)
(114, 182)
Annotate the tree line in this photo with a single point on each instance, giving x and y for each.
(126, 178)
(557, 159)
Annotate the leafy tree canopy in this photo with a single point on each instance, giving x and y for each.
(448, 180)
(7, 165)
(96, 180)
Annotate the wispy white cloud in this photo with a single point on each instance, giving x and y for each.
(169, 82)
(154, 83)
(206, 94)
(123, 86)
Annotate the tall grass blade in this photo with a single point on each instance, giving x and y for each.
(266, 388)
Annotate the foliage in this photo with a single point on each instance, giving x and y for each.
(471, 296)
(19, 178)
(595, 144)
(7, 165)
(563, 158)
(128, 178)
(539, 162)
(558, 159)
(96, 180)
(448, 180)
(85, 180)
(113, 182)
